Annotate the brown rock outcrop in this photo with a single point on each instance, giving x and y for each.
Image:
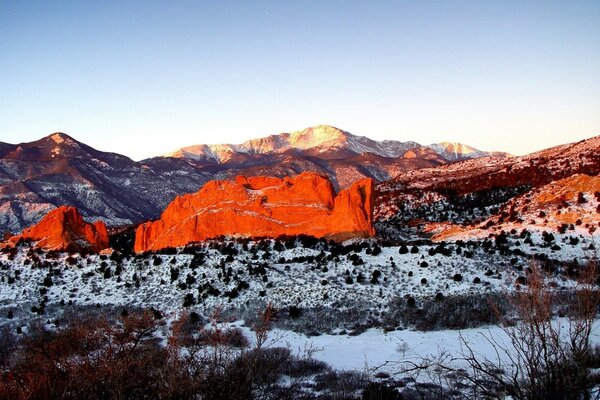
(64, 229)
(262, 207)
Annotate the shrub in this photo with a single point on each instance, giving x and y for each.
(189, 300)
(47, 281)
(294, 312)
(380, 391)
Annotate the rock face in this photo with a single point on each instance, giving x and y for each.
(263, 207)
(64, 229)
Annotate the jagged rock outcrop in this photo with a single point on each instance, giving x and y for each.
(263, 207)
(64, 229)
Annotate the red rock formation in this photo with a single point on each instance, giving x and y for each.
(262, 207)
(64, 229)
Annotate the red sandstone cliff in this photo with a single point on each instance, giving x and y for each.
(262, 207)
(64, 229)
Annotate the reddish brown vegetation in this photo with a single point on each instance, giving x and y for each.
(126, 359)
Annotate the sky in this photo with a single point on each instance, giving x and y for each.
(143, 78)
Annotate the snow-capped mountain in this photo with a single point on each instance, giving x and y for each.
(458, 151)
(320, 140)
(59, 170)
(340, 155)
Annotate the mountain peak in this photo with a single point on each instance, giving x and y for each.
(317, 136)
(454, 151)
(61, 138)
(325, 141)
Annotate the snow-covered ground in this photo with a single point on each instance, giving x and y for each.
(376, 350)
(230, 276)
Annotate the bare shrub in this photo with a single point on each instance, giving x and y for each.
(539, 357)
(341, 384)
(8, 344)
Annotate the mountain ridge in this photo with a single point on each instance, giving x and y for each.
(322, 138)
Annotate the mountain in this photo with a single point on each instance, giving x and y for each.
(325, 141)
(342, 156)
(58, 170)
(459, 151)
(55, 170)
(316, 140)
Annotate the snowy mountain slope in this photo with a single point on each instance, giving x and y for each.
(536, 168)
(471, 191)
(323, 139)
(459, 151)
(566, 206)
(38, 176)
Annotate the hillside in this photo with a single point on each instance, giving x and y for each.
(55, 170)
(471, 191)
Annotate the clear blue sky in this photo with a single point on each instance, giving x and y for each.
(143, 78)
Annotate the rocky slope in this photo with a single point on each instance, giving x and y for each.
(263, 207)
(64, 229)
(571, 204)
(39, 176)
(473, 190)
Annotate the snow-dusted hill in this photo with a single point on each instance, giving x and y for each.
(567, 205)
(471, 191)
